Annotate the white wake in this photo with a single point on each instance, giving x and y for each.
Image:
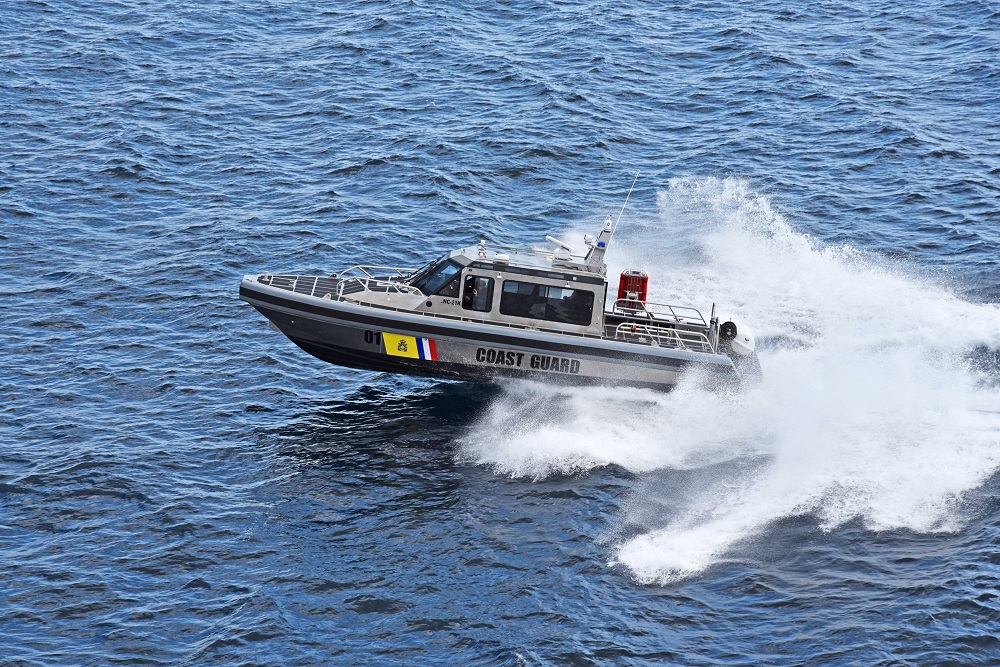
(868, 409)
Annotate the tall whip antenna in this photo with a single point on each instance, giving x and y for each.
(624, 205)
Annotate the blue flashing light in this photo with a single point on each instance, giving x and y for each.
(600, 244)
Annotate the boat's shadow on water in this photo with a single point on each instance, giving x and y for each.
(380, 422)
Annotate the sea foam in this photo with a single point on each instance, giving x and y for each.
(869, 408)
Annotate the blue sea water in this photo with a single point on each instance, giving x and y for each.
(181, 485)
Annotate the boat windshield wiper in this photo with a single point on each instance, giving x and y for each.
(422, 272)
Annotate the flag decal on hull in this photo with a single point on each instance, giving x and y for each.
(411, 347)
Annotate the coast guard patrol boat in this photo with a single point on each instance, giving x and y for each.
(487, 312)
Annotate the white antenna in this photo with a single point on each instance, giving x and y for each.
(624, 205)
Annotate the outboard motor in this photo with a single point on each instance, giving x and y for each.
(740, 345)
(740, 340)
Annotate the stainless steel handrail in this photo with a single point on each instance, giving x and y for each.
(526, 251)
(399, 288)
(679, 314)
(663, 336)
(366, 268)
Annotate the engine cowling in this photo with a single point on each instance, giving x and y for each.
(740, 339)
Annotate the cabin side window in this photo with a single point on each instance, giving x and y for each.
(442, 279)
(545, 302)
(477, 294)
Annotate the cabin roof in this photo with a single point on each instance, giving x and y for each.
(528, 260)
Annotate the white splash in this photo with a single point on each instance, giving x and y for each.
(867, 410)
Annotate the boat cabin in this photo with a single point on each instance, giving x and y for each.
(517, 287)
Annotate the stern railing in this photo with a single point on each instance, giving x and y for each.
(651, 334)
(659, 311)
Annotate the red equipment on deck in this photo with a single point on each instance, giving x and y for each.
(632, 289)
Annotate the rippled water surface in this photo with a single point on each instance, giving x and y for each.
(181, 485)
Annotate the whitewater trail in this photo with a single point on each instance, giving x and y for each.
(869, 408)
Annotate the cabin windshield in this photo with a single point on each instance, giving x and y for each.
(422, 272)
(439, 278)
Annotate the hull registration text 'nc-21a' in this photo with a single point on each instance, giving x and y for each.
(487, 312)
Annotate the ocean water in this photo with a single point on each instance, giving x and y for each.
(180, 485)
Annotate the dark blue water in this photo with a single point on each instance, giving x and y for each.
(181, 485)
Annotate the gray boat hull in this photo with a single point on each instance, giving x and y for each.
(397, 341)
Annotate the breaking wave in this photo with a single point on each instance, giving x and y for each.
(873, 407)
